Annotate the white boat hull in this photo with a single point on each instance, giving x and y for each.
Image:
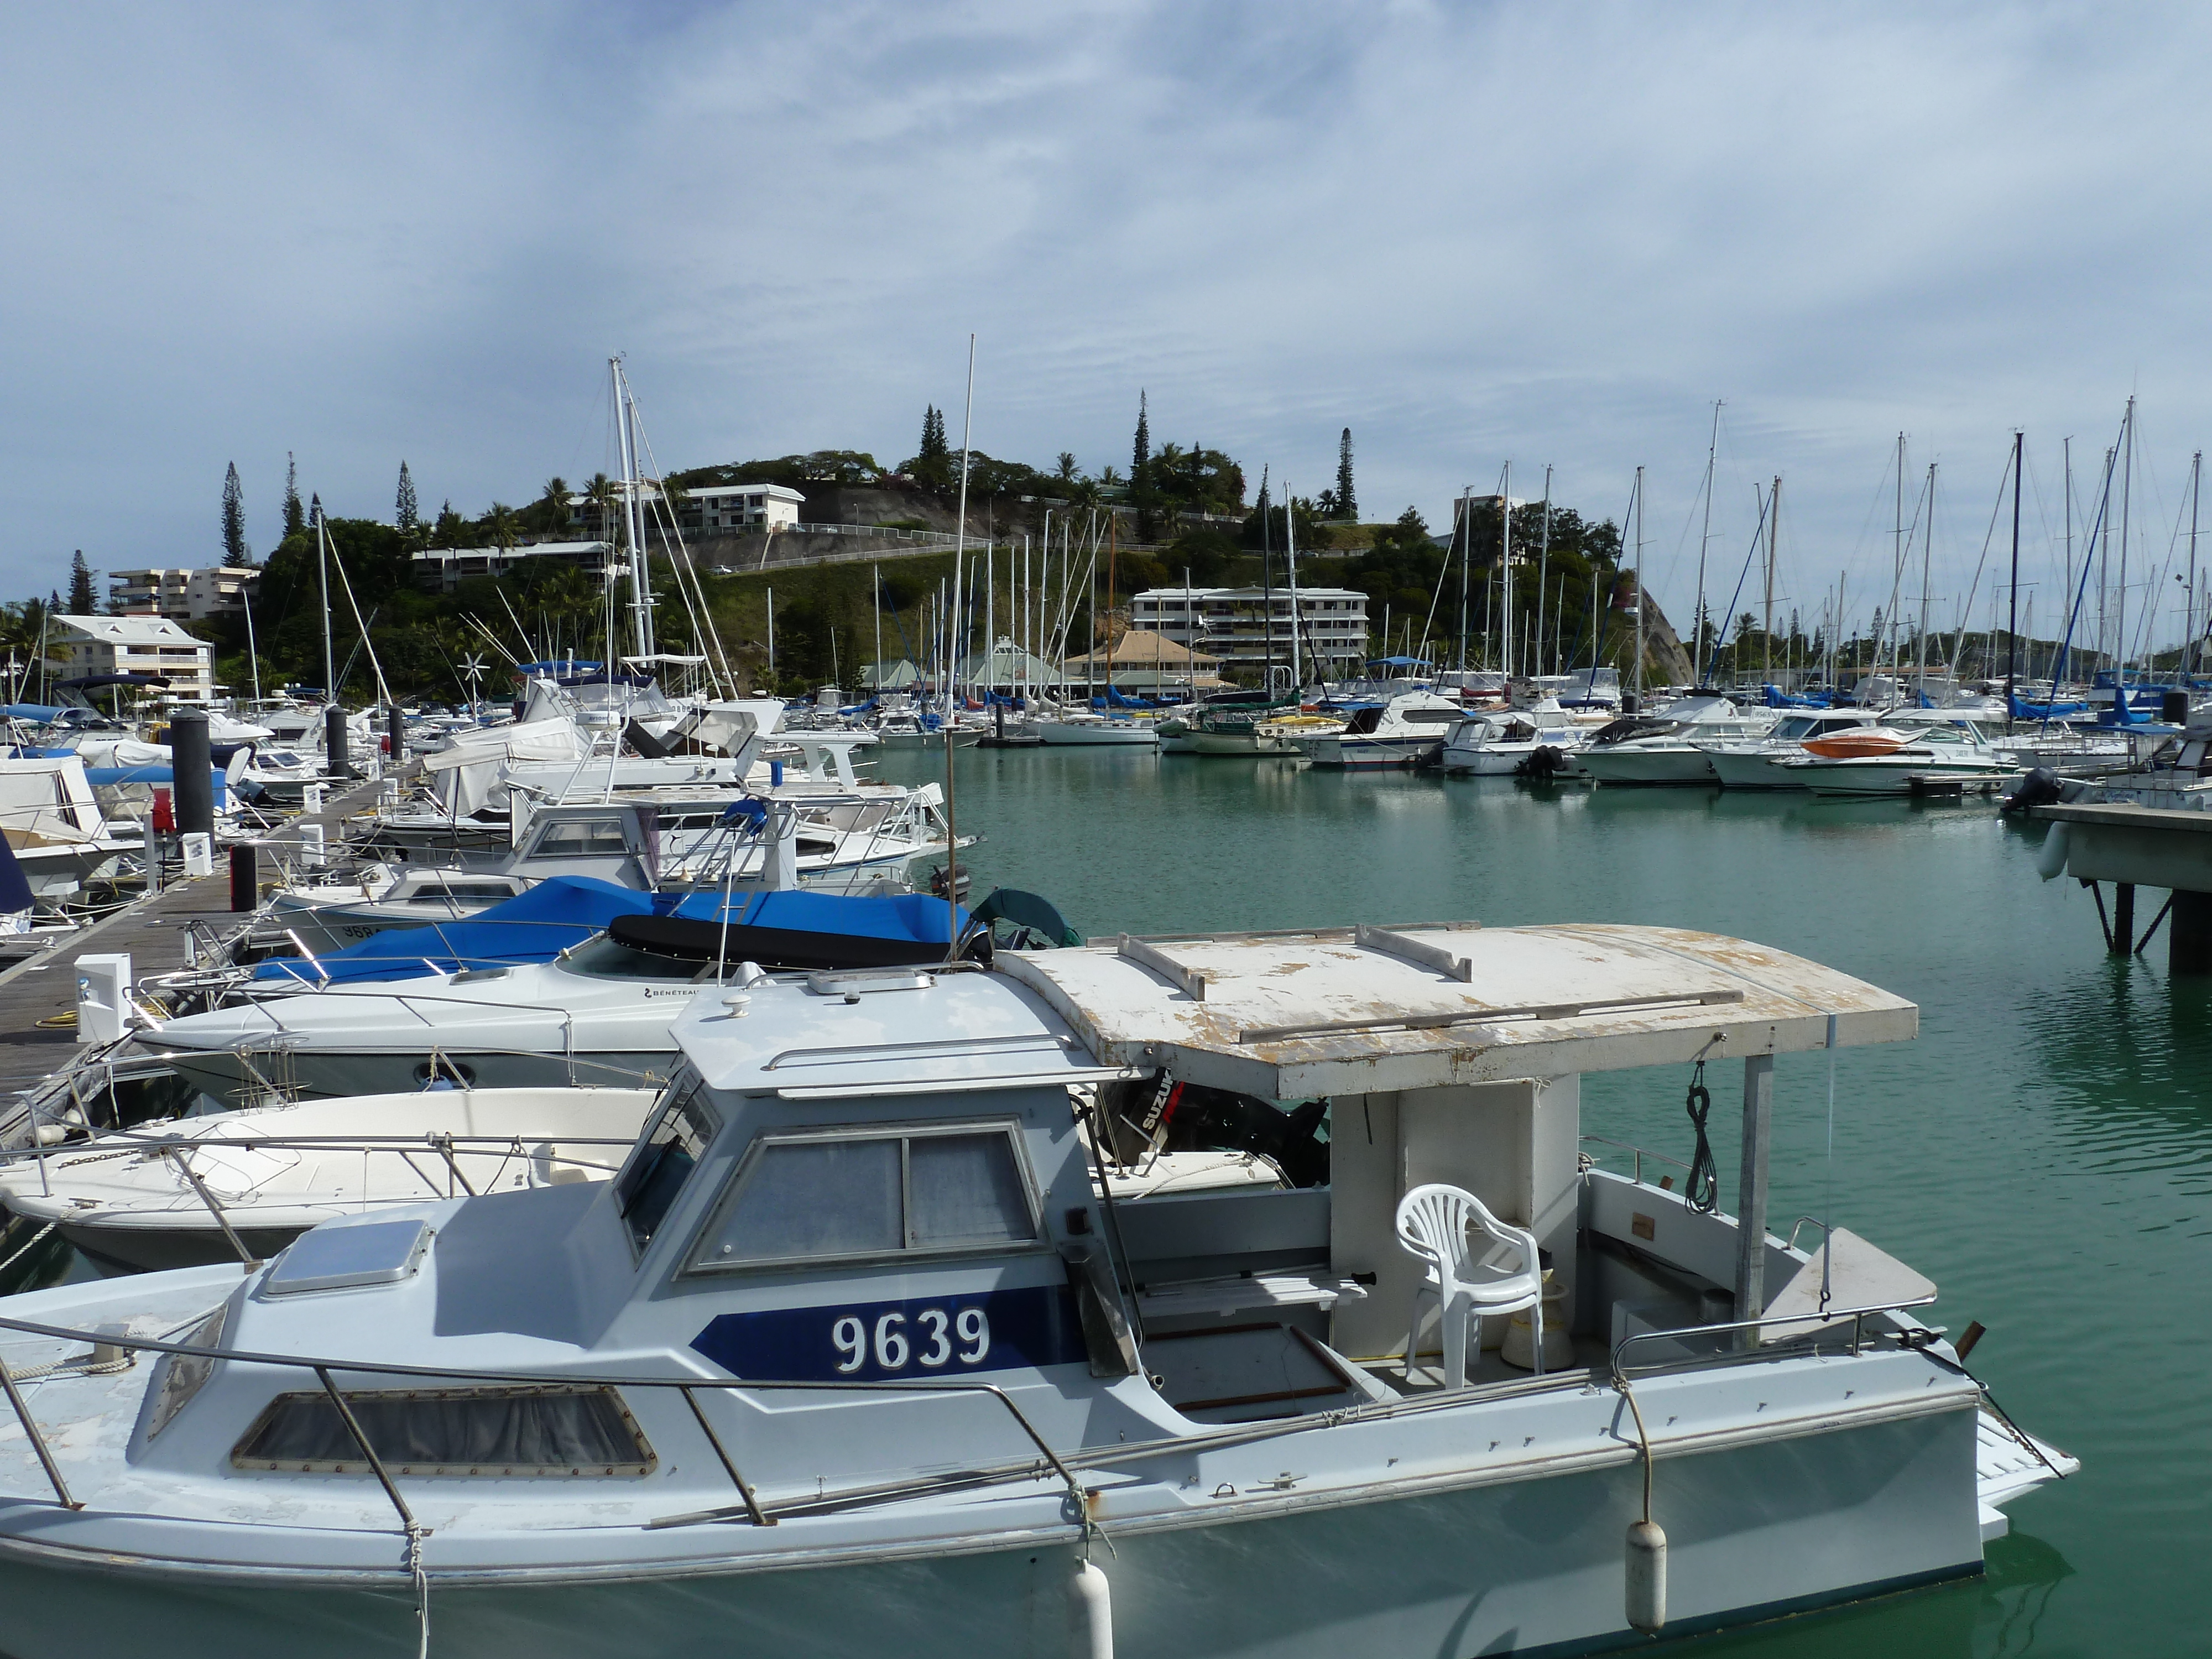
(1753, 769)
(1894, 777)
(1675, 765)
(1111, 735)
(1353, 753)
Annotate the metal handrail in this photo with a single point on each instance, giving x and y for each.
(1856, 1315)
(1640, 1152)
(324, 1367)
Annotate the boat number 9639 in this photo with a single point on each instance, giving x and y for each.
(933, 1337)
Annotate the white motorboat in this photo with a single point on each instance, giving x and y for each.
(851, 1353)
(1080, 729)
(1942, 747)
(1407, 728)
(200, 1189)
(1754, 763)
(1666, 746)
(53, 824)
(1497, 743)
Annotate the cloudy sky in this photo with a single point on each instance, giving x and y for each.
(1474, 233)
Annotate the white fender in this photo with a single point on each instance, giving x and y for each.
(1090, 1614)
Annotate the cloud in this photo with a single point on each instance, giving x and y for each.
(1472, 233)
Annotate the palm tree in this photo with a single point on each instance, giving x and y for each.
(555, 503)
(1066, 473)
(601, 495)
(501, 524)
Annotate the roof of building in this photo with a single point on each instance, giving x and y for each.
(717, 492)
(520, 550)
(133, 630)
(1141, 647)
(1281, 592)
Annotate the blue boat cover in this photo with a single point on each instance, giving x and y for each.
(536, 926)
(98, 776)
(907, 916)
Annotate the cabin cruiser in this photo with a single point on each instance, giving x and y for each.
(1935, 746)
(231, 1186)
(1667, 746)
(53, 824)
(1754, 762)
(1406, 728)
(856, 1347)
(1500, 743)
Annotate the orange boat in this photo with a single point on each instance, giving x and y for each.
(1862, 744)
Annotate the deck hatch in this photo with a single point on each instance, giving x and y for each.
(342, 1258)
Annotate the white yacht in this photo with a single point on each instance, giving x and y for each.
(1499, 743)
(1083, 729)
(1406, 728)
(853, 1356)
(1939, 746)
(1754, 762)
(1666, 747)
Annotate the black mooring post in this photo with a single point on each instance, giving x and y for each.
(395, 726)
(244, 876)
(192, 772)
(2123, 917)
(2189, 935)
(334, 742)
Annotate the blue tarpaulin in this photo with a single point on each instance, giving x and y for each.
(915, 916)
(559, 912)
(161, 776)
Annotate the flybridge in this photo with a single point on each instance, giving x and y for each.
(1351, 1010)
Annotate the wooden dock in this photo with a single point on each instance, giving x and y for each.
(152, 928)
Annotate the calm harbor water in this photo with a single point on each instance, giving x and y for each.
(2043, 1150)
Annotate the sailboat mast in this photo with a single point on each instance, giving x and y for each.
(1505, 572)
(1926, 544)
(640, 594)
(2012, 618)
(1773, 529)
(2189, 617)
(323, 575)
(1543, 572)
(1266, 587)
(1704, 541)
(1291, 572)
(2127, 487)
(1639, 589)
(1463, 532)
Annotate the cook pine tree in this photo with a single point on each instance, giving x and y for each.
(234, 550)
(83, 601)
(405, 513)
(295, 520)
(1347, 501)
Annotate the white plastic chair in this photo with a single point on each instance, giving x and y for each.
(1464, 1279)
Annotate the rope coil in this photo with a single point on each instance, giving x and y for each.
(1703, 1189)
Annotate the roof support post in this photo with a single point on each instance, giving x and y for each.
(1751, 1195)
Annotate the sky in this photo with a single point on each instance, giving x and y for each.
(1475, 234)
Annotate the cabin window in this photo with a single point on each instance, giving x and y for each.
(814, 1197)
(538, 1431)
(579, 836)
(608, 959)
(463, 890)
(663, 1159)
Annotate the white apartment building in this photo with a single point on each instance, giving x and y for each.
(442, 570)
(184, 595)
(140, 645)
(736, 509)
(1236, 625)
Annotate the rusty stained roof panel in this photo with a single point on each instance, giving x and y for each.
(1342, 1011)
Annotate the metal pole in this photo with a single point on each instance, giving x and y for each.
(1751, 1194)
(959, 546)
(2012, 619)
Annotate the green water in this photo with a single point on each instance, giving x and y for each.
(2043, 1151)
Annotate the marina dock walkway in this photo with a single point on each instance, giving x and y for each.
(151, 928)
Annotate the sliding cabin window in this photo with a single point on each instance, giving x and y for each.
(580, 836)
(841, 1195)
(531, 1431)
(663, 1157)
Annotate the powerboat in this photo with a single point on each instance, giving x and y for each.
(1668, 746)
(1938, 746)
(1755, 763)
(854, 1353)
(1500, 743)
(1407, 727)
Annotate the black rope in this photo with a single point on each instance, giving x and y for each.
(1704, 1187)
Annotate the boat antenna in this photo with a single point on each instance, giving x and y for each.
(959, 546)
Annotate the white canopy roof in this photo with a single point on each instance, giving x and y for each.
(1349, 1011)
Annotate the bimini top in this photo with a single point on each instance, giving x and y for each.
(1352, 1011)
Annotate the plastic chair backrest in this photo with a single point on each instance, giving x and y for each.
(1433, 1222)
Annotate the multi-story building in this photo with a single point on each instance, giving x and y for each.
(441, 569)
(737, 509)
(183, 595)
(153, 645)
(1238, 626)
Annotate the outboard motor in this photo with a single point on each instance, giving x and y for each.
(2038, 788)
(1543, 763)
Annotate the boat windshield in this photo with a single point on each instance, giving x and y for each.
(607, 958)
(1795, 726)
(664, 1157)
